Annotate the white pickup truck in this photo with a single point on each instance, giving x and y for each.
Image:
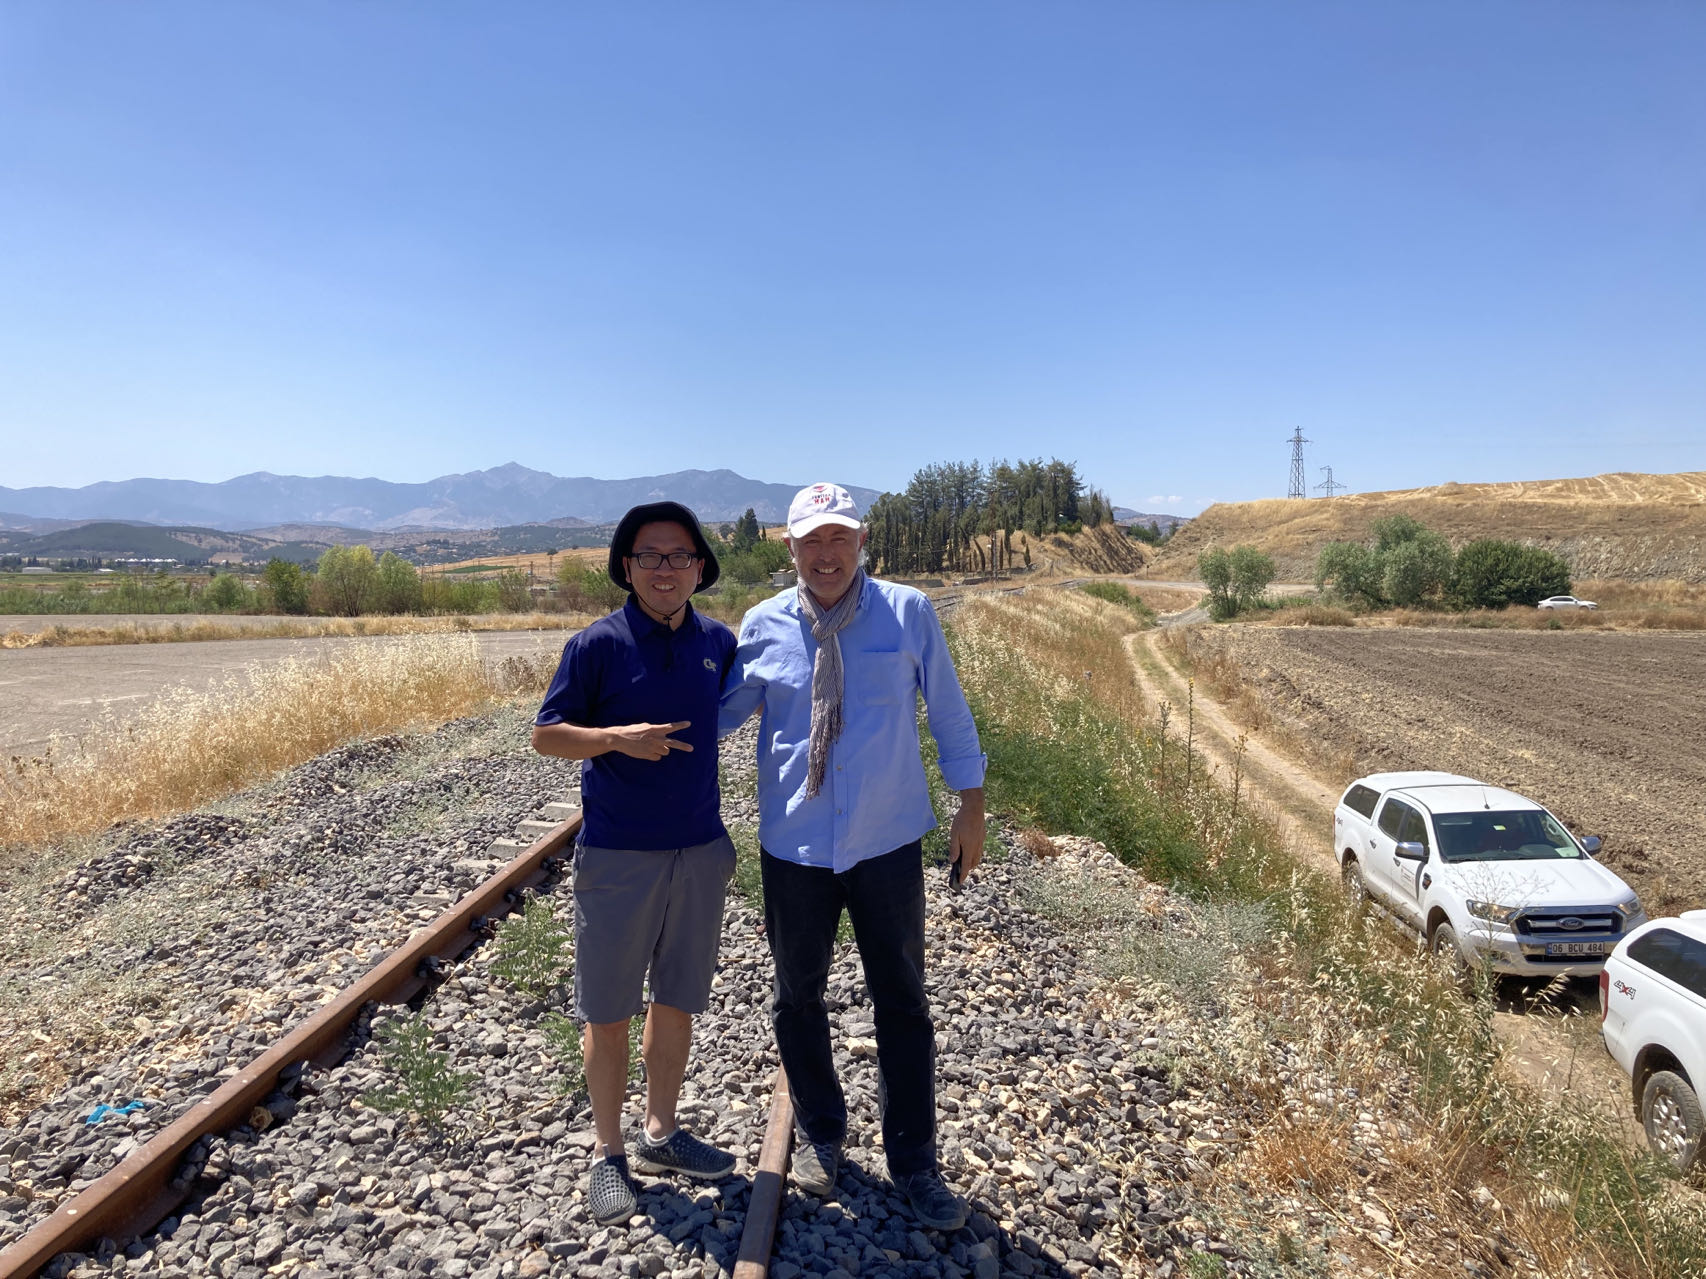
(1652, 1004)
(1483, 874)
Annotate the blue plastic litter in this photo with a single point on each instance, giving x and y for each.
(101, 1111)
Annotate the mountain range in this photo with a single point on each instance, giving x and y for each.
(502, 496)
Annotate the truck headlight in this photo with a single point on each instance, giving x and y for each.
(1492, 911)
(1631, 912)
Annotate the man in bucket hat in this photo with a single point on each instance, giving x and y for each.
(836, 667)
(635, 697)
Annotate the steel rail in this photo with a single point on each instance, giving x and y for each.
(764, 1206)
(144, 1189)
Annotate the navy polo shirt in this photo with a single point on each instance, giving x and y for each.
(628, 669)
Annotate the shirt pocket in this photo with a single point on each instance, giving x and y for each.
(881, 678)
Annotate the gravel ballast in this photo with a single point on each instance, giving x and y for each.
(1068, 1115)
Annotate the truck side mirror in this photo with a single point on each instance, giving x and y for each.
(1591, 845)
(1411, 851)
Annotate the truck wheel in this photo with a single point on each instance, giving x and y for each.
(1443, 946)
(1355, 888)
(1670, 1112)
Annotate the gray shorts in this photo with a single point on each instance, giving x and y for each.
(636, 910)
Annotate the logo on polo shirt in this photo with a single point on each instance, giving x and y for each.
(710, 665)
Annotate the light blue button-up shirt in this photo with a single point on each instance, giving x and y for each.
(874, 797)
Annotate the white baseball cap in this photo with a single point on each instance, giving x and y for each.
(820, 504)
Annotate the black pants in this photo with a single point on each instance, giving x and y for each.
(884, 897)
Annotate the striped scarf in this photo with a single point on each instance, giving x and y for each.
(827, 675)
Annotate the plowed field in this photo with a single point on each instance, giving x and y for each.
(1608, 730)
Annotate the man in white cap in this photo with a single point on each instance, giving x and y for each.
(836, 666)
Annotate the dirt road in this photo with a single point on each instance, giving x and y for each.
(66, 691)
(1553, 1041)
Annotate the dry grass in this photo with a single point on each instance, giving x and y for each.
(1166, 599)
(60, 635)
(190, 748)
(1194, 652)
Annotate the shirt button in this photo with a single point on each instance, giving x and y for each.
(838, 812)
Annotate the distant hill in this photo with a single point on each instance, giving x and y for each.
(503, 496)
(1125, 515)
(1625, 526)
(112, 539)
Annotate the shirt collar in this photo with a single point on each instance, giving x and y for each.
(792, 604)
(644, 626)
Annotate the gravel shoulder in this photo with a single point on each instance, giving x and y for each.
(1108, 1062)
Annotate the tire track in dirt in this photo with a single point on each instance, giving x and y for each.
(1295, 800)
(1557, 1051)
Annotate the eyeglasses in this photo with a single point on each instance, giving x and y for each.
(655, 559)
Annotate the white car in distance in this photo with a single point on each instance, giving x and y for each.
(1484, 875)
(1565, 601)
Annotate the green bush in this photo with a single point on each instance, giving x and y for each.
(397, 586)
(1236, 579)
(224, 593)
(584, 589)
(288, 584)
(1492, 573)
(1409, 564)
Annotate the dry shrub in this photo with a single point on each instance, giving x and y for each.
(1315, 615)
(1038, 844)
(189, 748)
(1313, 1156)
(1167, 599)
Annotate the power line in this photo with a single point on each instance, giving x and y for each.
(1297, 488)
(1330, 484)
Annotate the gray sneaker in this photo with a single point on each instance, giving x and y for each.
(609, 1192)
(816, 1165)
(683, 1153)
(933, 1204)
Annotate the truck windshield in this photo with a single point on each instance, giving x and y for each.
(1527, 835)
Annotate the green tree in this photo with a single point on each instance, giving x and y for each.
(288, 585)
(514, 593)
(1416, 570)
(746, 531)
(1351, 571)
(224, 593)
(1252, 574)
(1214, 567)
(345, 581)
(584, 589)
(1493, 573)
(396, 585)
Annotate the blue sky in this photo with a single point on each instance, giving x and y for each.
(838, 240)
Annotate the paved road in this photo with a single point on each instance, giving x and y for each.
(66, 691)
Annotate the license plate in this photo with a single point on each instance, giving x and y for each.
(1554, 948)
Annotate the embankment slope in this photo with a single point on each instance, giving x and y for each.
(1626, 526)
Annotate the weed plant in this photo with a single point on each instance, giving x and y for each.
(1073, 750)
(533, 951)
(563, 1041)
(423, 1083)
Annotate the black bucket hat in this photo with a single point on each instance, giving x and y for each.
(622, 544)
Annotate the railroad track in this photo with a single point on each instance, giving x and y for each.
(152, 1182)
